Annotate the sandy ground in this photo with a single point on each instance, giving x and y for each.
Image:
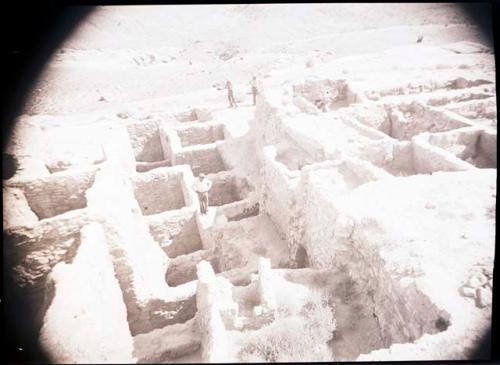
(127, 53)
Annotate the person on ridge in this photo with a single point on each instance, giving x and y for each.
(202, 185)
(254, 89)
(230, 95)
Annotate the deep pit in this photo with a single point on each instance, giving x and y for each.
(158, 192)
(202, 159)
(176, 234)
(371, 317)
(473, 146)
(227, 189)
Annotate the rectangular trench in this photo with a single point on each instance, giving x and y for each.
(202, 159)
(157, 192)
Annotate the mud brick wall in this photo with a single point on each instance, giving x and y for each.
(374, 116)
(31, 252)
(223, 191)
(145, 140)
(200, 135)
(157, 193)
(202, 160)
(279, 195)
(58, 193)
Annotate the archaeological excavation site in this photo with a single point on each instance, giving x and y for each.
(357, 228)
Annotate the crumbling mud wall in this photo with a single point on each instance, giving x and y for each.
(438, 83)
(478, 110)
(319, 213)
(373, 115)
(152, 347)
(31, 252)
(176, 232)
(86, 297)
(464, 143)
(26, 146)
(408, 120)
(170, 143)
(19, 212)
(323, 95)
(474, 145)
(58, 193)
(73, 146)
(145, 139)
(308, 150)
(277, 198)
(487, 146)
(204, 134)
(428, 159)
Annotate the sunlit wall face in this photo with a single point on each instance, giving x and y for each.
(114, 56)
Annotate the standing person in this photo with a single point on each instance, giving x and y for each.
(202, 186)
(254, 89)
(230, 96)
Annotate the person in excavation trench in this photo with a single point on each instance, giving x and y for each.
(202, 185)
